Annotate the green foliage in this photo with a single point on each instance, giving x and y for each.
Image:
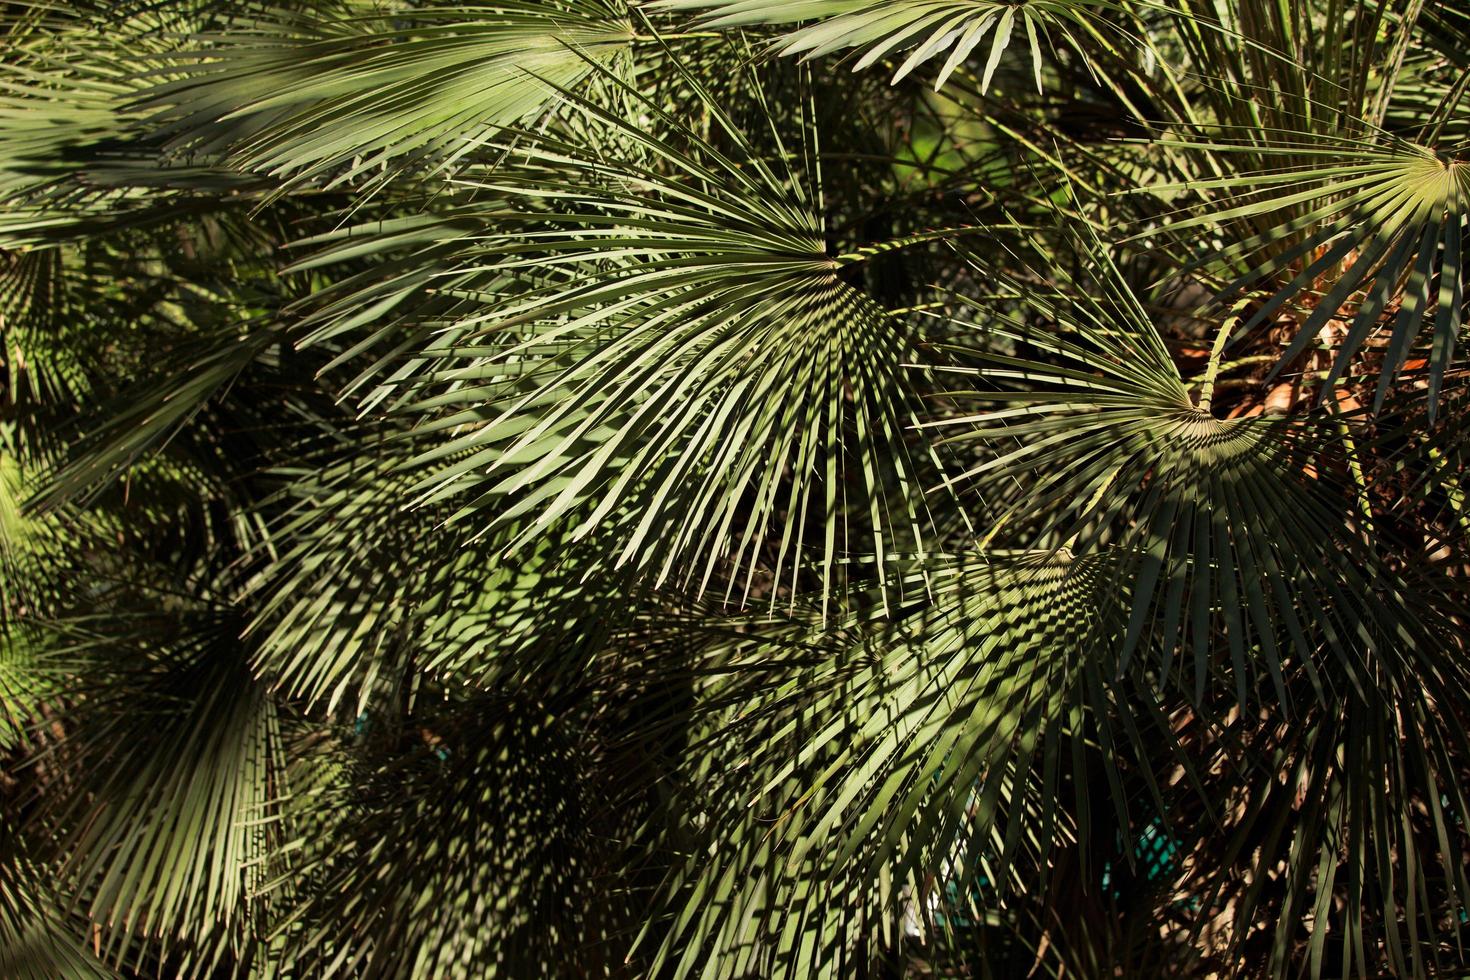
(731, 489)
(955, 29)
(349, 90)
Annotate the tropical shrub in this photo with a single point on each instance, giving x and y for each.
(734, 488)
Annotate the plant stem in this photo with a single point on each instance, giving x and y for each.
(1355, 468)
(893, 245)
(1212, 369)
(688, 36)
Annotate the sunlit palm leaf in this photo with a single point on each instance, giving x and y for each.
(1163, 676)
(1373, 239)
(853, 789)
(35, 941)
(37, 322)
(74, 158)
(349, 95)
(360, 590)
(168, 833)
(924, 29)
(666, 357)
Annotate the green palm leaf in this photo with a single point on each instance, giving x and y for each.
(344, 96)
(1250, 520)
(398, 396)
(168, 833)
(661, 345)
(1363, 809)
(359, 591)
(925, 29)
(462, 856)
(1372, 237)
(35, 941)
(75, 160)
(926, 748)
(36, 317)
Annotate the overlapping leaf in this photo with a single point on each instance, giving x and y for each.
(653, 344)
(361, 590)
(353, 93)
(1244, 527)
(1361, 807)
(36, 942)
(168, 832)
(863, 780)
(75, 160)
(466, 855)
(631, 348)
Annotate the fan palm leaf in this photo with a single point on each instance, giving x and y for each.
(35, 941)
(929, 746)
(628, 349)
(485, 813)
(169, 834)
(1378, 232)
(1240, 517)
(339, 97)
(360, 592)
(923, 29)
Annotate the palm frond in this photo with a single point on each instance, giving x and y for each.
(1248, 519)
(76, 161)
(529, 488)
(1361, 811)
(168, 834)
(363, 593)
(673, 348)
(461, 855)
(35, 941)
(337, 97)
(923, 29)
(869, 781)
(1364, 233)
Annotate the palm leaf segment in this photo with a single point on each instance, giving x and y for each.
(658, 348)
(38, 315)
(1367, 814)
(349, 96)
(75, 157)
(1381, 228)
(359, 590)
(925, 29)
(170, 833)
(467, 855)
(36, 943)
